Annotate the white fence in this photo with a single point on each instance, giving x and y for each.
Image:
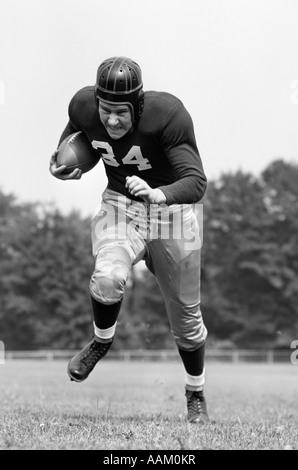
(219, 355)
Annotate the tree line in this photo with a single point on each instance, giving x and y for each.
(249, 269)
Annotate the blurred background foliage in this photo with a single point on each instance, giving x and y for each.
(249, 271)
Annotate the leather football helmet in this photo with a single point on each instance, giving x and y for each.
(119, 80)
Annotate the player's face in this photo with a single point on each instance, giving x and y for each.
(116, 118)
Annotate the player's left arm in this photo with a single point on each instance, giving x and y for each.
(179, 144)
(139, 188)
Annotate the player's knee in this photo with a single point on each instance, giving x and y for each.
(187, 345)
(107, 290)
(190, 341)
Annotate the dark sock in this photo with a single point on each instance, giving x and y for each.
(193, 360)
(105, 316)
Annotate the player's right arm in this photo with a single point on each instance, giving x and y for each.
(56, 170)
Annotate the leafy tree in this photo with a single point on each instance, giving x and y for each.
(18, 225)
(44, 273)
(245, 271)
(143, 321)
(249, 271)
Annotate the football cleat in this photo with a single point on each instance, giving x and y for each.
(196, 407)
(80, 366)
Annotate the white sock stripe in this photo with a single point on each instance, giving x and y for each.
(107, 333)
(195, 381)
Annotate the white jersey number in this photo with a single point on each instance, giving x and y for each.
(106, 152)
(134, 156)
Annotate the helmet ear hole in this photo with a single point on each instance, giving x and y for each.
(141, 103)
(119, 80)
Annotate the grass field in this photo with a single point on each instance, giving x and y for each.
(141, 405)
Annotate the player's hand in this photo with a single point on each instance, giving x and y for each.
(57, 171)
(139, 188)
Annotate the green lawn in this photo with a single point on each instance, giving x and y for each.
(141, 405)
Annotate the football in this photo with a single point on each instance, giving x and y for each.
(76, 152)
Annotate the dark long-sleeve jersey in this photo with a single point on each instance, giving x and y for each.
(161, 149)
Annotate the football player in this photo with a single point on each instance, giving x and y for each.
(155, 178)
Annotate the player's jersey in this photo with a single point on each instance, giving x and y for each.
(161, 149)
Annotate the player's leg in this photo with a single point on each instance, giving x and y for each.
(107, 284)
(176, 265)
(194, 383)
(115, 249)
